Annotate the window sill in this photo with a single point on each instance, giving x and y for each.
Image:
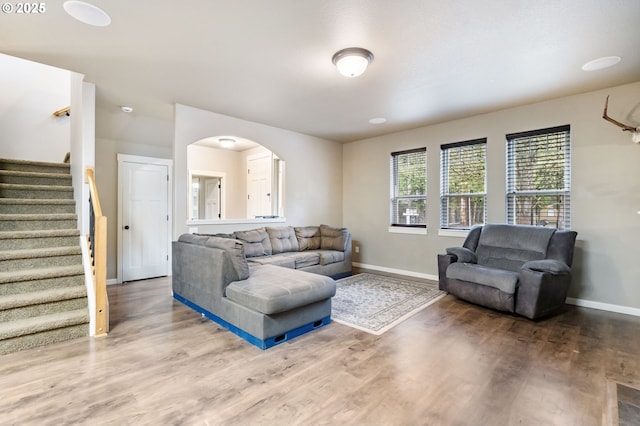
(407, 230)
(460, 233)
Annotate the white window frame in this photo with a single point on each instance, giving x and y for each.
(446, 152)
(395, 197)
(520, 145)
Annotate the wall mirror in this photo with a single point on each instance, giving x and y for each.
(232, 178)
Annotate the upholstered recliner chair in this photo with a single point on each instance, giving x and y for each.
(514, 268)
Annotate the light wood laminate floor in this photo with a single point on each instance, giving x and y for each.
(451, 364)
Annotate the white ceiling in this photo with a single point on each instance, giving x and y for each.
(270, 61)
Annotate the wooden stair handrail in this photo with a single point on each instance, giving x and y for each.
(97, 239)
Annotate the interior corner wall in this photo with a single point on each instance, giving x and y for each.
(605, 193)
(313, 181)
(31, 93)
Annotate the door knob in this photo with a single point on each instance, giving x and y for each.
(126, 227)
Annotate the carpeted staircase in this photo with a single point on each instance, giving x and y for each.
(43, 297)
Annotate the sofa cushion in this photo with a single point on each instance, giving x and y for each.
(306, 258)
(235, 250)
(281, 259)
(332, 238)
(283, 239)
(308, 237)
(330, 256)
(510, 246)
(272, 290)
(196, 239)
(503, 280)
(256, 241)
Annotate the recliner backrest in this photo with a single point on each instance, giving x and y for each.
(510, 246)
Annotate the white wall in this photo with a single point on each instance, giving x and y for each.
(31, 93)
(605, 190)
(313, 182)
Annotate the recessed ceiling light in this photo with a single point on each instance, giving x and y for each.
(87, 13)
(126, 109)
(601, 63)
(378, 120)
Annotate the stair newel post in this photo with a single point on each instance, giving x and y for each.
(97, 239)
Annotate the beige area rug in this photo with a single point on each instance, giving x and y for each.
(375, 303)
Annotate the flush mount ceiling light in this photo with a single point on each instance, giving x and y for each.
(227, 142)
(601, 63)
(87, 13)
(126, 109)
(352, 61)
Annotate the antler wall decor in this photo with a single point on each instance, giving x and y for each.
(635, 131)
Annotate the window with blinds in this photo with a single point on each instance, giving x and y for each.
(463, 176)
(409, 188)
(539, 177)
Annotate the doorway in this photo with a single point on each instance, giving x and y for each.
(144, 223)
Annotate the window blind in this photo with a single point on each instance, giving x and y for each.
(463, 193)
(539, 177)
(409, 188)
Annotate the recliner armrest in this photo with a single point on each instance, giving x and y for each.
(551, 266)
(463, 254)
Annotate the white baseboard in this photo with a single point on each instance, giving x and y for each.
(113, 281)
(627, 310)
(603, 306)
(396, 271)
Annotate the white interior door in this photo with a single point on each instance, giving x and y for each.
(145, 219)
(259, 186)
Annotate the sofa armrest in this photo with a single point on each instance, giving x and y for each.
(463, 254)
(542, 288)
(550, 266)
(444, 260)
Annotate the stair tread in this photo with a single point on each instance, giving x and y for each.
(35, 163)
(40, 252)
(35, 174)
(41, 273)
(5, 235)
(19, 300)
(24, 326)
(37, 201)
(38, 216)
(22, 186)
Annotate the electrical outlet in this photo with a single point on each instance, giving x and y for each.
(357, 249)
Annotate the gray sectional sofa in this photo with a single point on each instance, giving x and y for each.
(514, 268)
(267, 285)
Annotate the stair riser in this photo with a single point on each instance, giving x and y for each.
(44, 193)
(43, 338)
(36, 225)
(35, 243)
(34, 167)
(35, 285)
(42, 309)
(37, 209)
(40, 262)
(63, 180)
